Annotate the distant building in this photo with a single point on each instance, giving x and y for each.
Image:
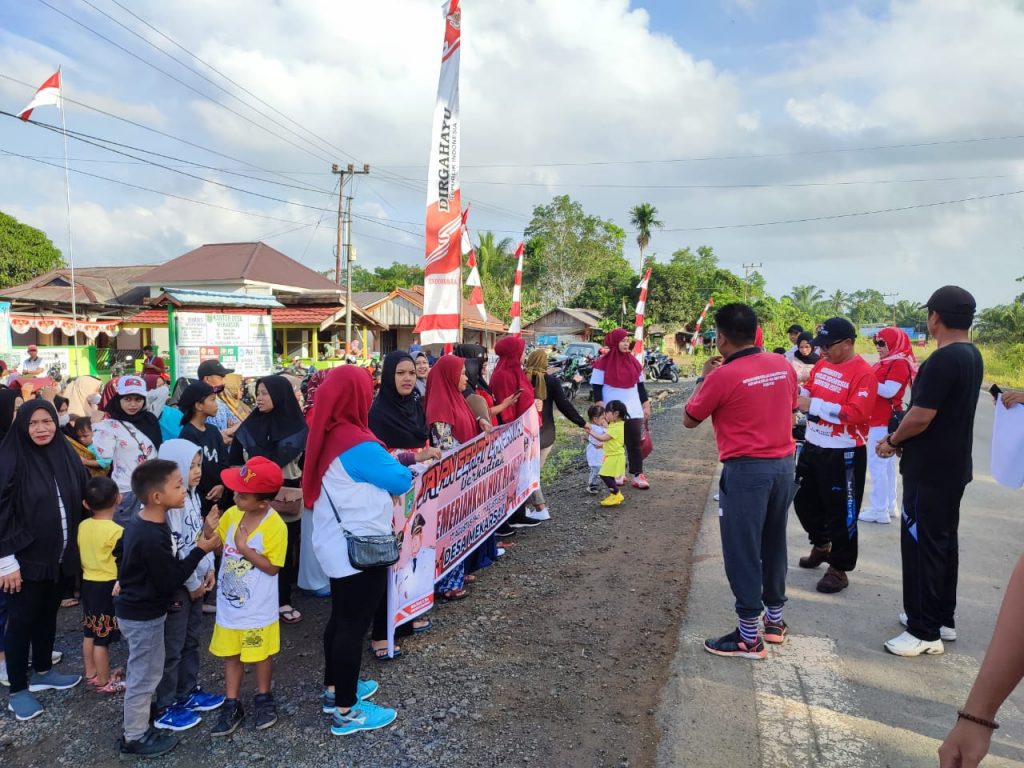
(565, 323)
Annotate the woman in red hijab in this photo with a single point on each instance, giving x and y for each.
(509, 378)
(619, 376)
(348, 483)
(895, 370)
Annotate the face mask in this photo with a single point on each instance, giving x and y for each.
(63, 419)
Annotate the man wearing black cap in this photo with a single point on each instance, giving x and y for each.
(213, 372)
(935, 439)
(838, 398)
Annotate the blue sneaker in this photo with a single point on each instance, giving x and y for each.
(201, 701)
(24, 705)
(364, 716)
(365, 689)
(177, 719)
(53, 681)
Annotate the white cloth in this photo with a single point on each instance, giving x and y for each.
(1008, 445)
(629, 397)
(883, 499)
(311, 575)
(246, 596)
(595, 448)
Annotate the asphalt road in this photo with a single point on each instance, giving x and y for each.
(832, 696)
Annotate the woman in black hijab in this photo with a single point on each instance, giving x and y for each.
(276, 430)
(41, 482)
(396, 416)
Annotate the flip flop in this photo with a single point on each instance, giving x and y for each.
(291, 616)
(454, 594)
(377, 653)
(470, 578)
(418, 630)
(69, 602)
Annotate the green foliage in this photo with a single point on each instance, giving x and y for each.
(25, 252)
(1002, 324)
(679, 289)
(397, 275)
(809, 300)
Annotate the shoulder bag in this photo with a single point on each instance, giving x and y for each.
(366, 552)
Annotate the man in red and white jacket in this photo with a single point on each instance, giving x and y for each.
(838, 398)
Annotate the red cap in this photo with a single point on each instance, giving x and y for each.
(258, 475)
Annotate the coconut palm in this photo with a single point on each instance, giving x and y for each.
(809, 299)
(645, 218)
(837, 303)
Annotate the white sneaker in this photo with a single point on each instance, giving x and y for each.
(870, 516)
(947, 634)
(908, 645)
(56, 657)
(3, 674)
(538, 514)
(501, 551)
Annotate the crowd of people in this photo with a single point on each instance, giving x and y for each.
(151, 515)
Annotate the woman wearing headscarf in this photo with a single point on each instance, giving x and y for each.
(422, 371)
(349, 483)
(451, 423)
(277, 430)
(231, 396)
(619, 376)
(894, 371)
(548, 390)
(41, 482)
(78, 391)
(804, 357)
(128, 436)
(508, 378)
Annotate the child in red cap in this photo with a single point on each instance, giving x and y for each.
(247, 630)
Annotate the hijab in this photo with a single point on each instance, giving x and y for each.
(78, 391)
(7, 398)
(536, 368)
(231, 396)
(446, 403)
(475, 357)
(109, 393)
(421, 384)
(397, 420)
(144, 421)
(899, 347)
(263, 434)
(621, 369)
(311, 387)
(508, 377)
(339, 423)
(809, 359)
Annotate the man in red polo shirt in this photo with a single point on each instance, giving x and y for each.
(838, 398)
(750, 397)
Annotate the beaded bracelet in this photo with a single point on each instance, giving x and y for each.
(961, 715)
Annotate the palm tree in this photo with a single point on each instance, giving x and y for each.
(837, 303)
(645, 218)
(809, 299)
(494, 257)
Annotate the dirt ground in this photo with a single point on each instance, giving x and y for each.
(557, 658)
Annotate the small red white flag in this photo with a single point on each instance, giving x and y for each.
(516, 311)
(48, 95)
(641, 305)
(476, 295)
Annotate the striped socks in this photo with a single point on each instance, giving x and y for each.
(773, 614)
(748, 630)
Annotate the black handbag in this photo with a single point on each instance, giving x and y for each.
(365, 552)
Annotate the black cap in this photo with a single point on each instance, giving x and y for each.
(834, 329)
(795, 328)
(953, 300)
(212, 368)
(194, 393)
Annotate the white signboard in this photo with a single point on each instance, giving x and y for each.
(241, 342)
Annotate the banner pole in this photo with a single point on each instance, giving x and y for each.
(67, 195)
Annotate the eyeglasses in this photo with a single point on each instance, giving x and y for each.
(880, 343)
(832, 344)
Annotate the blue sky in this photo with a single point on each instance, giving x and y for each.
(577, 81)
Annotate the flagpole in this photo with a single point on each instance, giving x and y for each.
(71, 247)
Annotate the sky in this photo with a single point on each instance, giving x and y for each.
(846, 144)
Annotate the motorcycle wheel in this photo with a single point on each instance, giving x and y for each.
(675, 377)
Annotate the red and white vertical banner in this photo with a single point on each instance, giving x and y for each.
(48, 95)
(700, 321)
(442, 278)
(516, 326)
(638, 335)
(476, 294)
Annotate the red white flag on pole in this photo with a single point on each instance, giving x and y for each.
(48, 95)
(516, 326)
(442, 275)
(700, 320)
(476, 295)
(638, 335)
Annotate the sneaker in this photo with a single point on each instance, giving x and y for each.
(775, 632)
(612, 500)
(522, 521)
(620, 480)
(364, 716)
(908, 645)
(53, 681)
(177, 718)
(24, 705)
(365, 689)
(500, 551)
(201, 701)
(266, 710)
(505, 531)
(152, 744)
(640, 481)
(112, 687)
(539, 514)
(833, 581)
(56, 657)
(734, 645)
(946, 634)
(870, 516)
(593, 489)
(817, 556)
(231, 716)
(4, 680)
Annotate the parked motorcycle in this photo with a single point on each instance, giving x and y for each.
(572, 373)
(659, 367)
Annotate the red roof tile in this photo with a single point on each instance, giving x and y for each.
(302, 315)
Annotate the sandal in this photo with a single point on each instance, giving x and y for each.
(290, 616)
(68, 602)
(425, 628)
(455, 594)
(470, 578)
(381, 654)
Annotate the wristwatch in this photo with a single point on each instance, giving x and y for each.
(888, 439)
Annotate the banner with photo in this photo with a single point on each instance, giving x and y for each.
(455, 504)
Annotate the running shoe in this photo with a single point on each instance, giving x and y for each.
(52, 680)
(946, 634)
(640, 481)
(539, 514)
(201, 701)
(152, 744)
(734, 645)
(365, 689)
(176, 718)
(613, 500)
(231, 716)
(24, 705)
(908, 645)
(364, 716)
(774, 631)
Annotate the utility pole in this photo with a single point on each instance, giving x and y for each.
(892, 296)
(747, 269)
(345, 221)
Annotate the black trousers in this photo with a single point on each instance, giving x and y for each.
(31, 623)
(354, 600)
(633, 433)
(831, 489)
(289, 573)
(931, 556)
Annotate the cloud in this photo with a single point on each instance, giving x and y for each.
(831, 113)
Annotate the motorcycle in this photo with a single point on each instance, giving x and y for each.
(659, 367)
(572, 373)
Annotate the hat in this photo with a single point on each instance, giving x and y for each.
(795, 328)
(194, 393)
(951, 299)
(33, 348)
(131, 385)
(834, 329)
(258, 475)
(212, 368)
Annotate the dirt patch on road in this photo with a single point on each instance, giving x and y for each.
(557, 658)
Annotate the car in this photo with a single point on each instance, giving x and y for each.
(586, 349)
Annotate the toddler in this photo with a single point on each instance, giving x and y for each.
(614, 465)
(597, 434)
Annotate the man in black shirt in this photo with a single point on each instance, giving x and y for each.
(935, 439)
